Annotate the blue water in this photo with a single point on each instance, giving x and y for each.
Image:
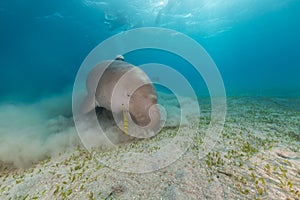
(255, 45)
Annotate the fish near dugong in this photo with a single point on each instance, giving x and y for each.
(121, 87)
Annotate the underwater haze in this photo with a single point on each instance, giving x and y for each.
(200, 142)
(255, 45)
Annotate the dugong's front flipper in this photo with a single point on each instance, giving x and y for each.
(92, 82)
(88, 104)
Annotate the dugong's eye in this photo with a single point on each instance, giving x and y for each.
(128, 95)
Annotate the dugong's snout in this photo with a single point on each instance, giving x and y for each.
(155, 118)
(144, 110)
(148, 119)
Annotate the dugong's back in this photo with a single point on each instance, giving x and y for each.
(102, 80)
(102, 70)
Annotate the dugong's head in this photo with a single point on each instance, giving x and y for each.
(143, 108)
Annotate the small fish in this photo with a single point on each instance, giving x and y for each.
(125, 121)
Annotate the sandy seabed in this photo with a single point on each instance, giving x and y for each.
(256, 157)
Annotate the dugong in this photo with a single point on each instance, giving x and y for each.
(117, 86)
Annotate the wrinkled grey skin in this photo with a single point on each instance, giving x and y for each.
(123, 84)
